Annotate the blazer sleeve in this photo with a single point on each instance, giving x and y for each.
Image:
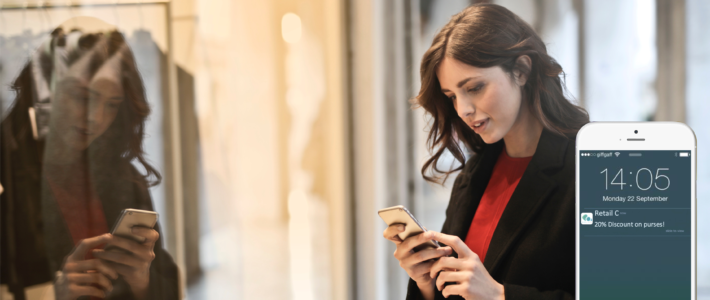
(413, 292)
(513, 291)
(163, 275)
(164, 278)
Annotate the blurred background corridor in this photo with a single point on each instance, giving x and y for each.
(280, 127)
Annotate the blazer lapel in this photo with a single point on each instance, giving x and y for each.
(115, 193)
(530, 194)
(470, 192)
(57, 237)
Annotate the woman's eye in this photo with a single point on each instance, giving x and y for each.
(453, 97)
(78, 96)
(476, 89)
(81, 99)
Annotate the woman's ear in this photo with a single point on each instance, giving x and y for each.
(523, 65)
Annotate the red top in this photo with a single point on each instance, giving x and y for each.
(81, 209)
(506, 175)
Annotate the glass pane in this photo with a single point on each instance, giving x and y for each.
(697, 91)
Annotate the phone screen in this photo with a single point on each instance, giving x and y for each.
(635, 224)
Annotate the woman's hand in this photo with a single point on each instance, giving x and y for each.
(416, 264)
(471, 278)
(133, 260)
(85, 277)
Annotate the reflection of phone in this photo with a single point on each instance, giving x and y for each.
(400, 215)
(134, 217)
(636, 211)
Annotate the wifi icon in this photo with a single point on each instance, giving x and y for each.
(617, 154)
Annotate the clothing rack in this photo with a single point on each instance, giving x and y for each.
(176, 245)
(40, 5)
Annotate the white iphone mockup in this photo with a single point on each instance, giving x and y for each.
(636, 211)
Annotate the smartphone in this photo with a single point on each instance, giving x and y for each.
(400, 215)
(636, 211)
(131, 217)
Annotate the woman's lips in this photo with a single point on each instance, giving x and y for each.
(480, 128)
(83, 132)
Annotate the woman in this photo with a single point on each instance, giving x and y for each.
(70, 185)
(489, 84)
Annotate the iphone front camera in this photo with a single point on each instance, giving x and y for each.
(636, 131)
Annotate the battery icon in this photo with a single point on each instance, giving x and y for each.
(684, 154)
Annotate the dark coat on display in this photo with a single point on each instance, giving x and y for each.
(532, 251)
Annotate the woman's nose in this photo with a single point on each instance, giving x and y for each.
(464, 108)
(95, 113)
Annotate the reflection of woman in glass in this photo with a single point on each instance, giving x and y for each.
(85, 176)
(488, 83)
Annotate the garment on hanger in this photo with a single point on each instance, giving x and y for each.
(16, 51)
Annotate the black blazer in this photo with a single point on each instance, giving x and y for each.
(115, 194)
(532, 251)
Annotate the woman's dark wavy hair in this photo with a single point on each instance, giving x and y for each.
(484, 36)
(111, 153)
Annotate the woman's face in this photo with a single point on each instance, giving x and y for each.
(85, 106)
(482, 96)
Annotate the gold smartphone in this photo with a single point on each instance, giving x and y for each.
(400, 215)
(134, 217)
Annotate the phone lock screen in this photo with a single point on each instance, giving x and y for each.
(635, 224)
